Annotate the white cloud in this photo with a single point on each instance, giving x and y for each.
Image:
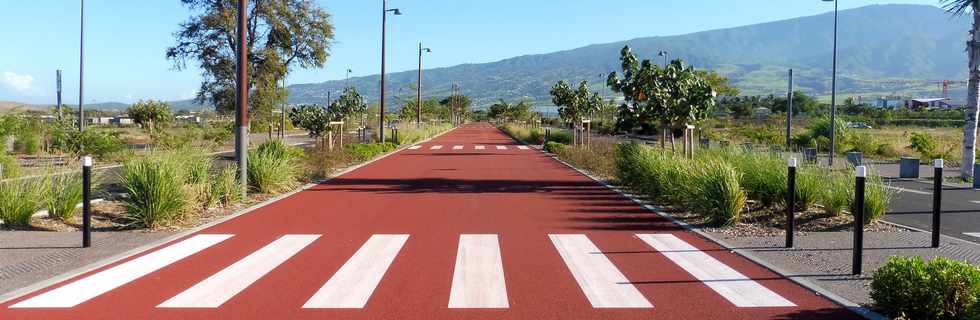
(18, 82)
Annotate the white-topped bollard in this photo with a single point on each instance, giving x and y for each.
(859, 184)
(790, 202)
(86, 201)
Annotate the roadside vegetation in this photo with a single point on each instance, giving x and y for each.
(912, 288)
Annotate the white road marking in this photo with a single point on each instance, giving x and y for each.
(414, 147)
(737, 288)
(481, 147)
(457, 147)
(972, 234)
(224, 285)
(478, 280)
(523, 147)
(975, 202)
(353, 284)
(501, 147)
(602, 283)
(435, 148)
(97, 284)
(909, 190)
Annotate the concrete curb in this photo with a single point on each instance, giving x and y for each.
(4, 298)
(856, 308)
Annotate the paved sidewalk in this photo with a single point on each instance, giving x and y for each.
(824, 258)
(28, 257)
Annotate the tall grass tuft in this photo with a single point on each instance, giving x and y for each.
(225, 188)
(272, 167)
(20, 199)
(718, 192)
(155, 184)
(877, 196)
(838, 192)
(63, 194)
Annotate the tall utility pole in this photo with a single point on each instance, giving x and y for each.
(833, 95)
(347, 81)
(241, 135)
(665, 54)
(58, 86)
(384, 29)
(81, 69)
(418, 117)
(789, 114)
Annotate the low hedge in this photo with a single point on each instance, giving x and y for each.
(554, 147)
(911, 288)
(368, 151)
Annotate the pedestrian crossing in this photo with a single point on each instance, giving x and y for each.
(457, 147)
(478, 278)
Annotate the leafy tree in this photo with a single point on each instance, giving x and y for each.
(150, 113)
(973, 88)
(720, 83)
(430, 109)
(676, 95)
(282, 34)
(457, 105)
(574, 105)
(314, 118)
(348, 105)
(511, 112)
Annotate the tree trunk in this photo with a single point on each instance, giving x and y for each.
(673, 146)
(663, 136)
(972, 100)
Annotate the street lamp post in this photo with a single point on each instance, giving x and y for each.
(833, 94)
(241, 134)
(665, 54)
(384, 29)
(418, 120)
(81, 68)
(347, 81)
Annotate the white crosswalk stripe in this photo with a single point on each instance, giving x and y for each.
(523, 147)
(457, 147)
(481, 147)
(478, 280)
(222, 286)
(435, 148)
(353, 284)
(97, 284)
(603, 284)
(501, 147)
(737, 288)
(414, 147)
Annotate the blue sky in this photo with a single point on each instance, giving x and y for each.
(125, 40)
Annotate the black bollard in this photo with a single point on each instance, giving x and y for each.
(859, 184)
(791, 203)
(86, 198)
(937, 202)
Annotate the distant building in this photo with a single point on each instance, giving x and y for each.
(122, 121)
(890, 103)
(929, 103)
(100, 121)
(190, 118)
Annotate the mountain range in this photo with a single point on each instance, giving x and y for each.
(883, 50)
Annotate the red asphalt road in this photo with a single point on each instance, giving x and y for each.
(435, 196)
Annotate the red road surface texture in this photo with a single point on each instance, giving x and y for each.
(457, 232)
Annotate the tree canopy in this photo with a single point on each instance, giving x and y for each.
(509, 112)
(349, 104)
(574, 105)
(282, 34)
(149, 113)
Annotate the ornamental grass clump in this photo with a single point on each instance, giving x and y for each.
(155, 184)
(272, 167)
(63, 194)
(877, 196)
(20, 199)
(838, 192)
(225, 188)
(716, 191)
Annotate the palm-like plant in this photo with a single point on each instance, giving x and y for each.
(959, 7)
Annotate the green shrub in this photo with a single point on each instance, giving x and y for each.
(225, 187)
(367, 151)
(27, 141)
(19, 200)
(809, 183)
(561, 136)
(939, 289)
(763, 175)
(554, 147)
(68, 139)
(155, 184)
(272, 167)
(63, 194)
(923, 143)
(410, 134)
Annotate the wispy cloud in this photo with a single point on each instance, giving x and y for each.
(19, 82)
